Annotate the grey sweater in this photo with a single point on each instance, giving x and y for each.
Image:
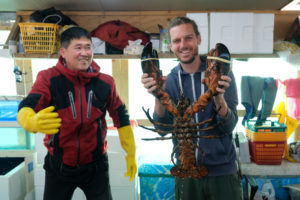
(220, 155)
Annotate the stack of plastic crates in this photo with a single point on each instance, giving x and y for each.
(266, 142)
(40, 37)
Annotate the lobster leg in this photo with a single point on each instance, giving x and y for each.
(158, 138)
(187, 137)
(154, 122)
(155, 130)
(173, 154)
(180, 126)
(177, 131)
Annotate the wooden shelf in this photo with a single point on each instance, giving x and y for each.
(110, 56)
(122, 56)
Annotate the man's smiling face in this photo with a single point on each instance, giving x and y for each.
(79, 54)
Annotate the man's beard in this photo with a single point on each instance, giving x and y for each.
(190, 60)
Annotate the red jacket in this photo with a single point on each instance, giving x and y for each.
(81, 100)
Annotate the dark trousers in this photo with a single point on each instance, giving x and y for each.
(62, 180)
(209, 188)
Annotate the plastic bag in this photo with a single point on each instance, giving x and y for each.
(134, 47)
(267, 192)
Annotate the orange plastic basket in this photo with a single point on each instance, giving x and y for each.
(266, 142)
(267, 153)
(40, 37)
(266, 136)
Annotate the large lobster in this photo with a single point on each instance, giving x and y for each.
(184, 128)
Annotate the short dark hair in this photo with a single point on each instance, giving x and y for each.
(183, 20)
(73, 33)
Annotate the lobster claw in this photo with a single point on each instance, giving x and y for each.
(149, 58)
(223, 67)
(150, 64)
(218, 61)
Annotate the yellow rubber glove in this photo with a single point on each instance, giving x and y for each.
(45, 121)
(127, 142)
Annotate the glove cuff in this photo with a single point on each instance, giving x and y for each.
(127, 139)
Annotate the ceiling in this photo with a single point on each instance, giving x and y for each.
(142, 5)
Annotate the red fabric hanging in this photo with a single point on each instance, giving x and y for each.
(117, 33)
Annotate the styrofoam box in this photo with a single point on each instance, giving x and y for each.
(29, 157)
(244, 154)
(242, 32)
(201, 19)
(118, 179)
(122, 193)
(121, 187)
(39, 176)
(12, 183)
(30, 195)
(98, 46)
(113, 142)
(40, 148)
(117, 161)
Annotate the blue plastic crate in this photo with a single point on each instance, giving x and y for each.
(156, 182)
(9, 110)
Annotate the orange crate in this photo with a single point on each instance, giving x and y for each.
(266, 142)
(266, 136)
(267, 153)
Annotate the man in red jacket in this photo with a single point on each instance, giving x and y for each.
(68, 103)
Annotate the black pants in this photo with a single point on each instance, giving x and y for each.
(209, 188)
(62, 180)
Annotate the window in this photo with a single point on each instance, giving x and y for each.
(138, 95)
(262, 67)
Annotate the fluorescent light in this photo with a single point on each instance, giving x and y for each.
(294, 5)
